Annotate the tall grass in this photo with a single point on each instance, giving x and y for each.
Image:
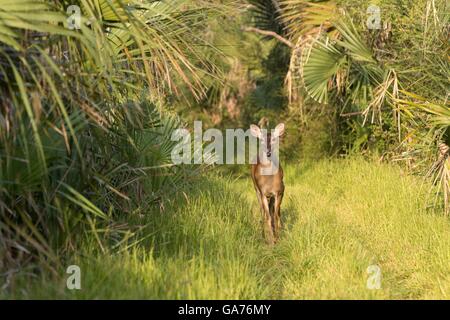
(339, 216)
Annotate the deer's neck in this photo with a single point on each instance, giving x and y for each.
(268, 161)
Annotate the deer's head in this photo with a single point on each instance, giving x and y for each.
(268, 139)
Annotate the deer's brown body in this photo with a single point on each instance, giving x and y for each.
(267, 176)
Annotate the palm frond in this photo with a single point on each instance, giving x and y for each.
(266, 15)
(321, 65)
(308, 18)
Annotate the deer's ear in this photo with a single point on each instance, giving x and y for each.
(255, 131)
(279, 130)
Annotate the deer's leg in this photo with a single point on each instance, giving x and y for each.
(259, 196)
(261, 209)
(267, 220)
(277, 215)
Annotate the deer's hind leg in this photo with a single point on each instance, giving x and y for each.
(277, 215)
(271, 200)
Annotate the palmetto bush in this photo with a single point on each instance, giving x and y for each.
(83, 131)
(394, 79)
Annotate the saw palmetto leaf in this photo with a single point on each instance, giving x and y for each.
(321, 65)
(266, 15)
(69, 138)
(345, 65)
(303, 17)
(439, 112)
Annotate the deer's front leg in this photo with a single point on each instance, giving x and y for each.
(267, 220)
(261, 210)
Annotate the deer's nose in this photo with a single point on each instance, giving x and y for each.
(269, 153)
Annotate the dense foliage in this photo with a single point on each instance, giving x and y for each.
(88, 102)
(83, 131)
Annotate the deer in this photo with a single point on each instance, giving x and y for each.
(267, 177)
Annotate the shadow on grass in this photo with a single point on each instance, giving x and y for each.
(213, 215)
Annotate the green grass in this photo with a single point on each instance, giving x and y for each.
(339, 217)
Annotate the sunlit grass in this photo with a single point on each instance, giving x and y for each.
(340, 217)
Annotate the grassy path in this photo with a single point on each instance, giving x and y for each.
(340, 217)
